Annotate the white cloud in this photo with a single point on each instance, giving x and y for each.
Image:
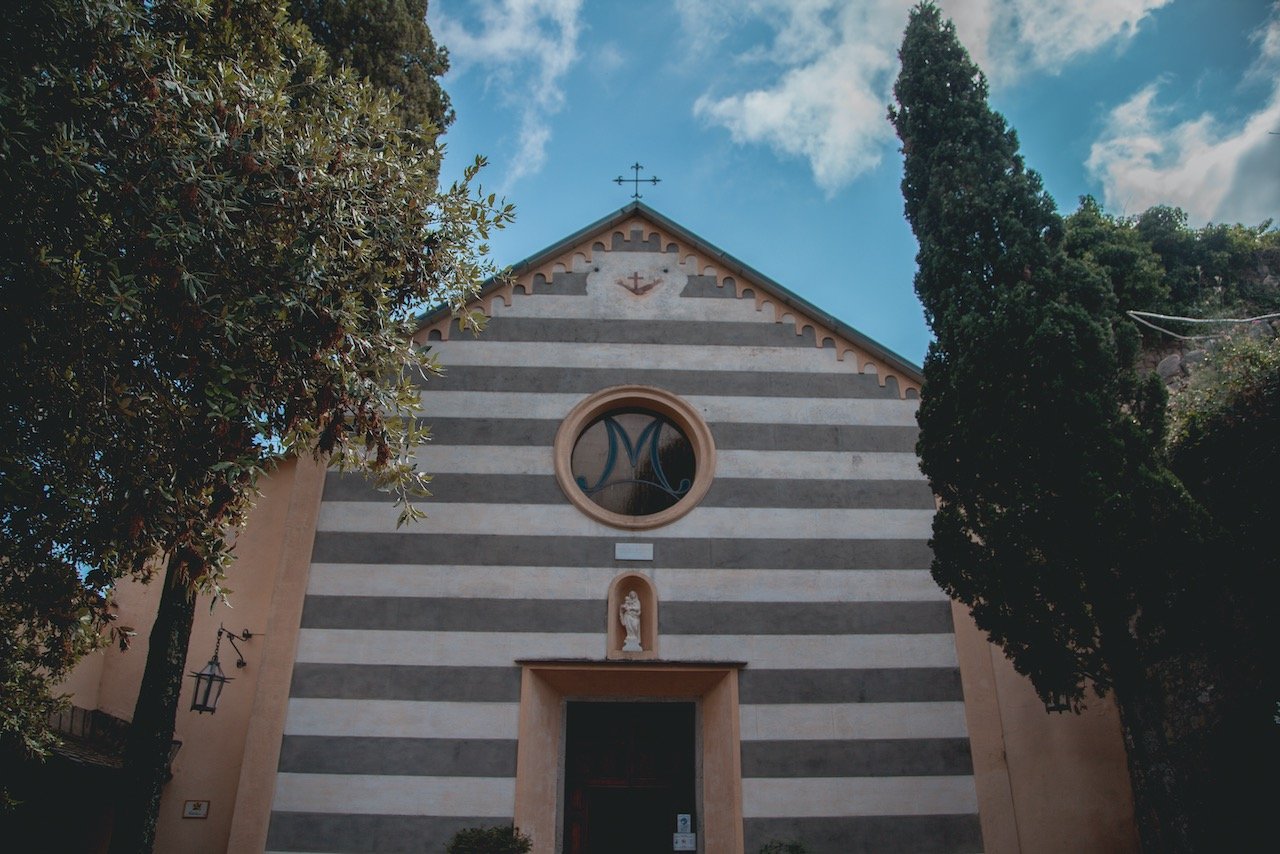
(526, 47)
(1268, 41)
(828, 104)
(607, 59)
(1214, 171)
(837, 60)
(706, 21)
(1010, 37)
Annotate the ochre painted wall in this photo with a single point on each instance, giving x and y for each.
(208, 766)
(1047, 783)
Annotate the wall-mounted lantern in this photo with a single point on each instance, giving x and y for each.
(210, 679)
(209, 682)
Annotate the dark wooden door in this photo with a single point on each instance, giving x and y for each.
(629, 771)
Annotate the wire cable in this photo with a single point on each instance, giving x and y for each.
(1140, 317)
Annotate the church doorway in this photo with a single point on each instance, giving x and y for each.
(630, 770)
(709, 693)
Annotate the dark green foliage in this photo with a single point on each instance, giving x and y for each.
(503, 839)
(1223, 446)
(1223, 441)
(1028, 427)
(1210, 271)
(1165, 229)
(387, 43)
(778, 846)
(1059, 525)
(1119, 250)
(214, 266)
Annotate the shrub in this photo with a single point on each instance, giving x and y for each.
(503, 839)
(777, 846)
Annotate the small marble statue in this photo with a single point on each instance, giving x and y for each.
(629, 613)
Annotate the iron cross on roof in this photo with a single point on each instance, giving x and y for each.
(636, 181)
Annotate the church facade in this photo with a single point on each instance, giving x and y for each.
(672, 593)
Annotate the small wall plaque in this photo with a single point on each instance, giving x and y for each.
(633, 551)
(684, 822)
(684, 842)
(195, 809)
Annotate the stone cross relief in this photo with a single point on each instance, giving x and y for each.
(629, 614)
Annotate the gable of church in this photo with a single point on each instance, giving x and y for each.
(638, 266)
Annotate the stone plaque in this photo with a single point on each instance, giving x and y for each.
(633, 551)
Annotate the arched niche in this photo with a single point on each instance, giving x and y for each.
(616, 636)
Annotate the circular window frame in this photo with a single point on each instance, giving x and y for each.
(681, 413)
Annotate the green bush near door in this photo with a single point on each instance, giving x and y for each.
(489, 840)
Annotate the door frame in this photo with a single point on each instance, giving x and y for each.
(545, 688)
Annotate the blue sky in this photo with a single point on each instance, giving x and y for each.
(765, 120)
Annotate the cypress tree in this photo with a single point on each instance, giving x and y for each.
(387, 43)
(1059, 527)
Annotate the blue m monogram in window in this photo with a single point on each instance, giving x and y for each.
(633, 461)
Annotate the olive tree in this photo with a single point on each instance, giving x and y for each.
(212, 251)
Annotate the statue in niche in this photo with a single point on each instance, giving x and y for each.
(629, 613)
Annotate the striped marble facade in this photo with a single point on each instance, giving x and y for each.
(807, 560)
